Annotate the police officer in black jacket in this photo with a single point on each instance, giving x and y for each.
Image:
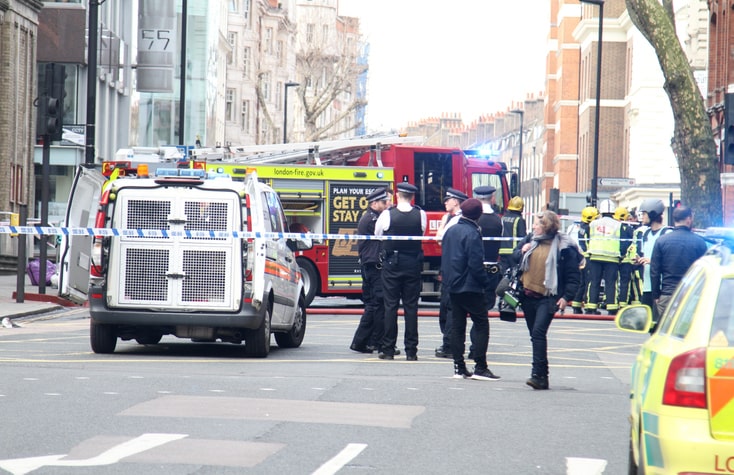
(371, 326)
(401, 270)
(491, 225)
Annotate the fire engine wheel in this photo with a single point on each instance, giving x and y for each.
(294, 337)
(103, 337)
(257, 342)
(310, 278)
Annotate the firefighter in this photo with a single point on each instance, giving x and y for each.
(513, 226)
(588, 215)
(401, 270)
(452, 202)
(606, 247)
(628, 294)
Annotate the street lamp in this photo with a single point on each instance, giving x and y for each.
(595, 169)
(519, 162)
(285, 109)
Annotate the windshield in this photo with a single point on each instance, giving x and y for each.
(722, 327)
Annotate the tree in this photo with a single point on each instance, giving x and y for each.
(693, 140)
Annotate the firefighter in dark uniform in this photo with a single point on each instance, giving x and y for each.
(372, 324)
(401, 270)
(515, 227)
(588, 215)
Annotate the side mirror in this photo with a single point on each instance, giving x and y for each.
(300, 244)
(634, 318)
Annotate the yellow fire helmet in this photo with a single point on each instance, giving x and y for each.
(621, 213)
(516, 204)
(589, 214)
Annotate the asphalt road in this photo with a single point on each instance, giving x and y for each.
(183, 408)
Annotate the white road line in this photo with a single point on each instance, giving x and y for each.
(108, 457)
(584, 466)
(340, 460)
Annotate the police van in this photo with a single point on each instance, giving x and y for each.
(196, 256)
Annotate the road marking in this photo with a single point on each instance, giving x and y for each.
(340, 460)
(585, 466)
(108, 457)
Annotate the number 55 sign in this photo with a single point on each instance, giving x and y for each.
(152, 39)
(156, 45)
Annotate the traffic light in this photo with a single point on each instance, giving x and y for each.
(728, 144)
(51, 101)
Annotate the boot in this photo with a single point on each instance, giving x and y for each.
(537, 382)
(577, 311)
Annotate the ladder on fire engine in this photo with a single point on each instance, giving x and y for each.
(326, 152)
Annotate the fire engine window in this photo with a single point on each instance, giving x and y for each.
(433, 176)
(486, 179)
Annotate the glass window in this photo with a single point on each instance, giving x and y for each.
(722, 327)
(246, 62)
(432, 177)
(487, 179)
(667, 320)
(229, 105)
(687, 308)
(274, 217)
(246, 116)
(309, 33)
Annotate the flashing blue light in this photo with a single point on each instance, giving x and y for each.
(184, 172)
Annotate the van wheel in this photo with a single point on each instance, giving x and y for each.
(294, 337)
(149, 338)
(310, 278)
(102, 337)
(257, 342)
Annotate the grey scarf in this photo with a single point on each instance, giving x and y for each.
(551, 263)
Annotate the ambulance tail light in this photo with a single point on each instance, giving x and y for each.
(685, 384)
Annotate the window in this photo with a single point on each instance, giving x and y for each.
(16, 184)
(229, 105)
(266, 86)
(233, 6)
(667, 319)
(232, 39)
(309, 33)
(432, 177)
(279, 53)
(246, 9)
(325, 35)
(246, 62)
(269, 40)
(722, 328)
(246, 116)
(484, 179)
(687, 310)
(279, 95)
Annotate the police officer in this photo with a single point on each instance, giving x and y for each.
(491, 225)
(588, 215)
(607, 245)
(371, 326)
(515, 227)
(401, 270)
(452, 202)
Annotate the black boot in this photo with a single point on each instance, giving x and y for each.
(537, 382)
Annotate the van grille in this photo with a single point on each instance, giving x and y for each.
(206, 216)
(205, 276)
(146, 214)
(145, 275)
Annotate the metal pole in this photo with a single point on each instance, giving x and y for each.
(22, 256)
(285, 114)
(91, 81)
(595, 169)
(182, 94)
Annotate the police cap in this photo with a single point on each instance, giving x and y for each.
(454, 193)
(483, 192)
(407, 188)
(379, 194)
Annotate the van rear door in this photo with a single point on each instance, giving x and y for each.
(76, 250)
(256, 215)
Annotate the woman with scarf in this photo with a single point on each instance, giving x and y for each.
(549, 262)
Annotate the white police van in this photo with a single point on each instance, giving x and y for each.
(195, 256)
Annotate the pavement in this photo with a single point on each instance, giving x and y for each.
(33, 304)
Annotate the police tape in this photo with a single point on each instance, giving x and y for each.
(203, 234)
(211, 234)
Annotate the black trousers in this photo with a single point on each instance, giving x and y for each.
(371, 326)
(538, 317)
(401, 280)
(473, 304)
(608, 271)
(444, 318)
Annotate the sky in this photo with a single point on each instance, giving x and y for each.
(429, 57)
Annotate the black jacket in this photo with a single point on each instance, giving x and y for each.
(462, 256)
(672, 255)
(569, 257)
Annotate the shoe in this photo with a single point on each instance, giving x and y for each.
(441, 353)
(411, 357)
(385, 356)
(484, 374)
(612, 312)
(460, 372)
(396, 352)
(536, 382)
(361, 350)
(588, 311)
(372, 348)
(577, 311)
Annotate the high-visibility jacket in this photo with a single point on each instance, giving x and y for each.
(513, 225)
(604, 239)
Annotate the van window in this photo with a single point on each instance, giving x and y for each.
(273, 213)
(722, 326)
